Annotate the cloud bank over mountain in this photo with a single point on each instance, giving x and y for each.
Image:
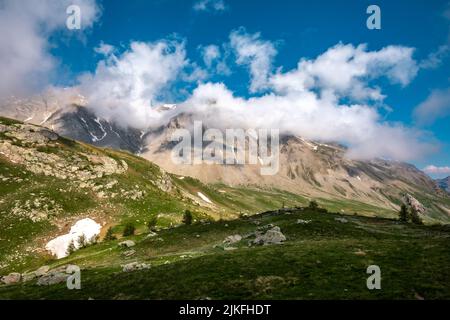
(334, 97)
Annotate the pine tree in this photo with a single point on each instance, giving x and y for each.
(82, 242)
(187, 217)
(129, 230)
(109, 235)
(71, 248)
(403, 214)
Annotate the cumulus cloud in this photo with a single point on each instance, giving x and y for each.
(255, 53)
(210, 5)
(346, 70)
(124, 87)
(25, 26)
(436, 106)
(215, 60)
(431, 169)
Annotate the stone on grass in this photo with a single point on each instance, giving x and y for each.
(11, 278)
(127, 244)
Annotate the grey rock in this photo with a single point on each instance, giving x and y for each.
(11, 278)
(272, 236)
(232, 239)
(135, 266)
(52, 278)
(127, 244)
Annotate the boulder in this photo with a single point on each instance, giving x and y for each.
(232, 239)
(52, 278)
(11, 278)
(135, 266)
(272, 236)
(127, 244)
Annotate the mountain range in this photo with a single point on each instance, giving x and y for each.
(311, 169)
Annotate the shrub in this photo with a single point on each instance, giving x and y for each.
(313, 205)
(71, 248)
(129, 230)
(82, 242)
(151, 224)
(187, 217)
(109, 235)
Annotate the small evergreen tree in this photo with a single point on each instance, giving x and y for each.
(71, 248)
(187, 217)
(109, 235)
(82, 242)
(129, 230)
(313, 205)
(151, 224)
(403, 214)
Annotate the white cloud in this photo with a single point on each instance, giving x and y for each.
(210, 5)
(257, 54)
(25, 26)
(345, 70)
(124, 88)
(214, 60)
(436, 106)
(104, 49)
(210, 54)
(435, 58)
(307, 115)
(431, 169)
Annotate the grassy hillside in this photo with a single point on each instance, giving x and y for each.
(49, 182)
(323, 259)
(47, 185)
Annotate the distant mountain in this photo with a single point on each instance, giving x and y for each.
(311, 169)
(444, 184)
(66, 114)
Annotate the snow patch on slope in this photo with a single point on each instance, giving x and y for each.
(204, 198)
(87, 227)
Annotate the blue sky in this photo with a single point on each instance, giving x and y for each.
(296, 29)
